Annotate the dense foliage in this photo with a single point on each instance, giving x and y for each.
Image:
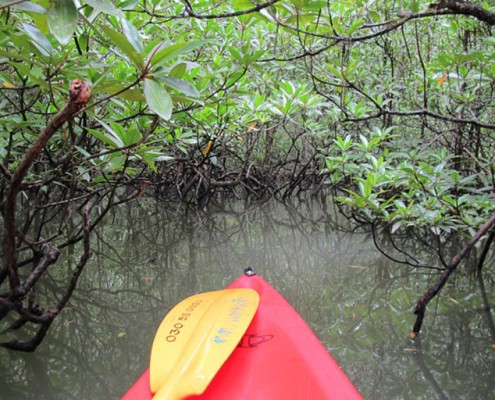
(387, 105)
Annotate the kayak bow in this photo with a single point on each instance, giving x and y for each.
(278, 358)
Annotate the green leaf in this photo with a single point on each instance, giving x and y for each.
(355, 26)
(161, 53)
(301, 19)
(334, 71)
(150, 160)
(236, 54)
(151, 156)
(132, 35)
(115, 135)
(240, 5)
(450, 200)
(375, 16)
(132, 136)
(122, 136)
(116, 162)
(24, 6)
(118, 131)
(123, 44)
(134, 94)
(39, 40)
(315, 6)
(41, 22)
(180, 85)
(106, 138)
(179, 70)
(415, 6)
(104, 6)
(62, 20)
(158, 99)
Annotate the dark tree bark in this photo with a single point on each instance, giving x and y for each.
(79, 96)
(465, 8)
(44, 256)
(427, 296)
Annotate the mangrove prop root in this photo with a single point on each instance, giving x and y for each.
(427, 296)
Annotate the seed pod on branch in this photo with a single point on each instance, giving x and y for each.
(79, 92)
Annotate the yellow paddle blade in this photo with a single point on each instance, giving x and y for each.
(174, 334)
(196, 338)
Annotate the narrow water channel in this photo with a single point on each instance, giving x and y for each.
(150, 255)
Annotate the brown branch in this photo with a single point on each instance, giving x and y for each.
(421, 112)
(444, 7)
(32, 344)
(388, 27)
(484, 253)
(257, 8)
(465, 8)
(45, 319)
(427, 296)
(189, 12)
(49, 258)
(79, 95)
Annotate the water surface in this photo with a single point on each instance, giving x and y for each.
(150, 255)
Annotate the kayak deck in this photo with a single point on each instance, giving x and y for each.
(279, 357)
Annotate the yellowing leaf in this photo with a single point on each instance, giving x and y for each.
(442, 78)
(251, 126)
(207, 149)
(9, 85)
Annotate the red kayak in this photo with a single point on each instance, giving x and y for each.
(279, 358)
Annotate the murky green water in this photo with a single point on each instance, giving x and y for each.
(359, 303)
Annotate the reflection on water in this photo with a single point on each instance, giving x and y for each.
(150, 255)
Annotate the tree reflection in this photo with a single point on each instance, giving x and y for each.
(149, 255)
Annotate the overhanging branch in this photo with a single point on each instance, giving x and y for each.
(427, 296)
(79, 95)
(465, 8)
